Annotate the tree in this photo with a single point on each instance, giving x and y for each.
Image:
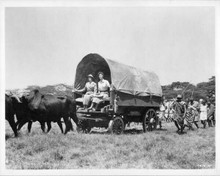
(204, 90)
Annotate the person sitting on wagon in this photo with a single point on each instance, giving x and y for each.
(103, 87)
(91, 89)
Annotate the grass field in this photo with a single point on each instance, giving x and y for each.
(160, 149)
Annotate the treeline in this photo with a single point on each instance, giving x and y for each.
(204, 90)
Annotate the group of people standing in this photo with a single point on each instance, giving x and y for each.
(187, 113)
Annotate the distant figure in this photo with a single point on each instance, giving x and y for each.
(203, 113)
(200, 101)
(179, 108)
(169, 111)
(90, 89)
(103, 88)
(162, 112)
(189, 117)
(211, 114)
(194, 105)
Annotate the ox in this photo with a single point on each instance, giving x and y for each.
(10, 112)
(48, 108)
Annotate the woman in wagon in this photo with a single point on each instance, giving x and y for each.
(103, 87)
(90, 89)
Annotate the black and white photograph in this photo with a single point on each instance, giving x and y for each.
(109, 86)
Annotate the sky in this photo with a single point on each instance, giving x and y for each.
(43, 45)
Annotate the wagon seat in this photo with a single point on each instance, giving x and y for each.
(103, 103)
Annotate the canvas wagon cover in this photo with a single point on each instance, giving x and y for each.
(124, 78)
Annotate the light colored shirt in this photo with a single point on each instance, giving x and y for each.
(203, 112)
(103, 85)
(91, 87)
(162, 108)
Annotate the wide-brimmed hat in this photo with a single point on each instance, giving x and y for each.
(179, 96)
(90, 75)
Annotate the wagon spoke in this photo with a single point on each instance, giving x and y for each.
(118, 125)
(146, 120)
(150, 114)
(154, 115)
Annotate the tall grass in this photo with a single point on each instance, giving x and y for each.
(162, 149)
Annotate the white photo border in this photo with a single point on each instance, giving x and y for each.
(94, 4)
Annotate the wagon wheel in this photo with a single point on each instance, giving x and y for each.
(80, 126)
(150, 120)
(84, 126)
(117, 126)
(88, 129)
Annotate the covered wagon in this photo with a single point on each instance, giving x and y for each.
(135, 95)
